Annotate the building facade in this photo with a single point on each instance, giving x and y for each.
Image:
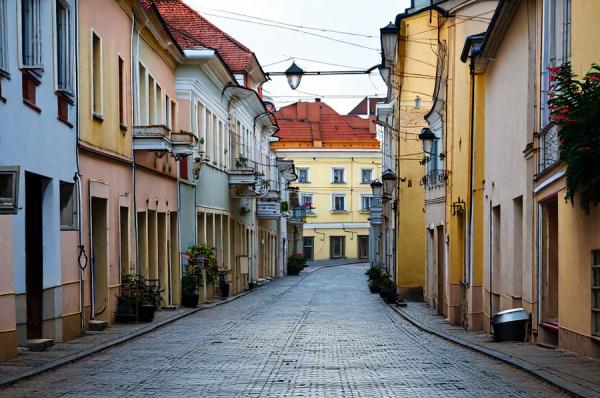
(336, 158)
(40, 283)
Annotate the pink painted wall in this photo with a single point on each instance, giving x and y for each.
(69, 272)
(7, 289)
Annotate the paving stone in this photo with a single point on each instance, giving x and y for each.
(321, 335)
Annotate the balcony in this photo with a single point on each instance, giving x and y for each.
(183, 144)
(298, 215)
(549, 148)
(243, 179)
(268, 209)
(435, 178)
(151, 138)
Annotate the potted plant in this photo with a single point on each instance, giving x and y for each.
(295, 264)
(388, 290)
(127, 301)
(244, 210)
(189, 286)
(223, 285)
(148, 303)
(241, 162)
(284, 206)
(375, 278)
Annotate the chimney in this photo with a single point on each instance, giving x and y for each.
(317, 99)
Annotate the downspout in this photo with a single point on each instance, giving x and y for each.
(133, 81)
(77, 179)
(90, 227)
(469, 269)
(491, 246)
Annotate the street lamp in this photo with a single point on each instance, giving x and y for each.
(427, 137)
(377, 188)
(389, 41)
(294, 75)
(389, 184)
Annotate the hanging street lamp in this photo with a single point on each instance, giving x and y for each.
(389, 41)
(294, 73)
(389, 184)
(427, 137)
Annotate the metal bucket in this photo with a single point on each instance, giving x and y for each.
(510, 325)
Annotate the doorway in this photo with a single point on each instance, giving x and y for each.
(441, 274)
(336, 246)
(34, 253)
(99, 250)
(309, 247)
(363, 246)
(550, 261)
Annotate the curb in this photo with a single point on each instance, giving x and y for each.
(566, 386)
(113, 343)
(140, 332)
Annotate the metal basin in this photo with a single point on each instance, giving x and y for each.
(510, 325)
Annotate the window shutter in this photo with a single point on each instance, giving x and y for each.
(3, 38)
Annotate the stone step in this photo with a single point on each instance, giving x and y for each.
(169, 308)
(97, 326)
(38, 345)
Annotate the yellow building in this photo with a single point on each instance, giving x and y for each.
(336, 158)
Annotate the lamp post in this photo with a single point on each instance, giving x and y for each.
(427, 137)
(389, 184)
(375, 218)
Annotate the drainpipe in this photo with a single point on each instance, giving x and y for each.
(133, 81)
(469, 268)
(491, 247)
(77, 179)
(90, 227)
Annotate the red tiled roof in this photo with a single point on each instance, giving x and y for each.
(317, 121)
(191, 30)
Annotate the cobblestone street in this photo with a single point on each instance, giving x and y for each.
(322, 335)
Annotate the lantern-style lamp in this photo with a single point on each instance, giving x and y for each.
(427, 137)
(389, 41)
(377, 188)
(294, 75)
(389, 183)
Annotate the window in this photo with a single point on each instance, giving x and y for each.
(214, 138)
(142, 95)
(151, 100)
(556, 45)
(31, 39)
(366, 201)
(96, 65)
(307, 202)
(67, 205)
(302, 174)
(173, 115)
(63, 47)
(338, 202)
(168, 118)
(208, 132)
(3, 39)
(29, 86)
(9, 189)
(366, 176)
(338, 175)
(336, 244)
(596, 293)
(159, 106)
(121, 83)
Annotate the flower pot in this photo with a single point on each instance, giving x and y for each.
(190, 300)
(126, 318)
(374, 288)
(224, 289)
(146, 312)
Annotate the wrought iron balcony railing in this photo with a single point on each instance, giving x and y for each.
(435, 177)
(549, 148)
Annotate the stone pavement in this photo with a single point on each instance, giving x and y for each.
(320, 334)
(575, 374)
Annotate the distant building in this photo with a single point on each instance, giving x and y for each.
(367, 106)
(336, 157)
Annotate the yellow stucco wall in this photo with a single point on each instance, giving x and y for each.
(321, 187)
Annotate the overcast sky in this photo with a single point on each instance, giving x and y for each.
(271, 44)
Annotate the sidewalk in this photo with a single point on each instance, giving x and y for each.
(576, 375)
(28, 364)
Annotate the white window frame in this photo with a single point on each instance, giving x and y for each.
(299, 169)
(333, 170)
(338, 195)
(37, 46)
(362, 198)
(73, 224)
(362, 181)
(168, 116)
(67, 85)
(11, 206)
(3, 38)
(101, 80)
(303, 202)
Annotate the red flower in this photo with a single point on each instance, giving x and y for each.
(554, 69)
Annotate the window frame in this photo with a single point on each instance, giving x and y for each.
(342, 241)
(362, 198)
(301, 169)
(122, 92)
(335, 196)
(13, 206)
(73, 200)
(4, 70)
(362, 180)
(303, 202)
(20, 40)
(100, 113)
(67, 86)
(343, 171)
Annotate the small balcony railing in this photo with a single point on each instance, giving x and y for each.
(151, 138)
(549, 147)
(298, 215)
(268, 209)
(435, 178)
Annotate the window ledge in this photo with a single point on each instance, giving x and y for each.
(32, 105)
(338, 182)
(67, 96)
(97, 116)
(339, 211)
(60, 119)
(2, 99)
(123, 128)
(4, 74)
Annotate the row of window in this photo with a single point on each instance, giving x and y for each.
(30, 61)
(338, 175)
(338, 202)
